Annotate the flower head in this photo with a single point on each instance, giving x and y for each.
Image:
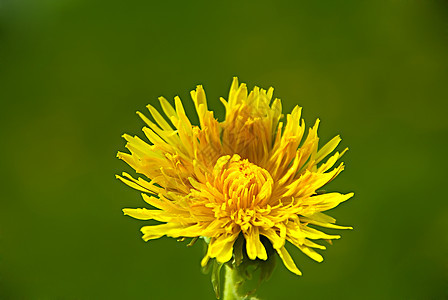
(250, 175)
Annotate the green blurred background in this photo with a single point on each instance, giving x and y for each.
(73, 73)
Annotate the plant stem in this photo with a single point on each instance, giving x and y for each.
(230, 284)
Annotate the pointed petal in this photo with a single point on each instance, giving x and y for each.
(149, 214)
(254, 246)
(287, 260)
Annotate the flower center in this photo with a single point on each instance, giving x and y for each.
(245, 185)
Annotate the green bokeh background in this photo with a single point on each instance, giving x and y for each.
(73, 73)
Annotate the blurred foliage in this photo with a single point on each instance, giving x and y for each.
(73, 72)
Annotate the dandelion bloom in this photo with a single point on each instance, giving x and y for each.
(250, 175)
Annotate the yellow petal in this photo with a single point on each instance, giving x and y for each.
(138, 184)
(222, 247)
(149, 214)
(164, 204)
(311, 253)
(323, 220)
(159, 119)
(254, 246)
(168, 110)
(327, 201)
(328, 148)
(287, 260)
(315, 234)
(276, 240)
(157, 231)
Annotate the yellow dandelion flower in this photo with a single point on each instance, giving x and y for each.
(250, 175)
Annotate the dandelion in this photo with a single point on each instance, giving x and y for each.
(246, 185)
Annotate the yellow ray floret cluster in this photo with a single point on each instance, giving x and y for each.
(250, 174)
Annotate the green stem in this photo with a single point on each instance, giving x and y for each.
(230, 284)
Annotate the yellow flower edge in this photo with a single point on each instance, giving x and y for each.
(250, 174)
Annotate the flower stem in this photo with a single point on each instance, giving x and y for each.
(230, 284)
